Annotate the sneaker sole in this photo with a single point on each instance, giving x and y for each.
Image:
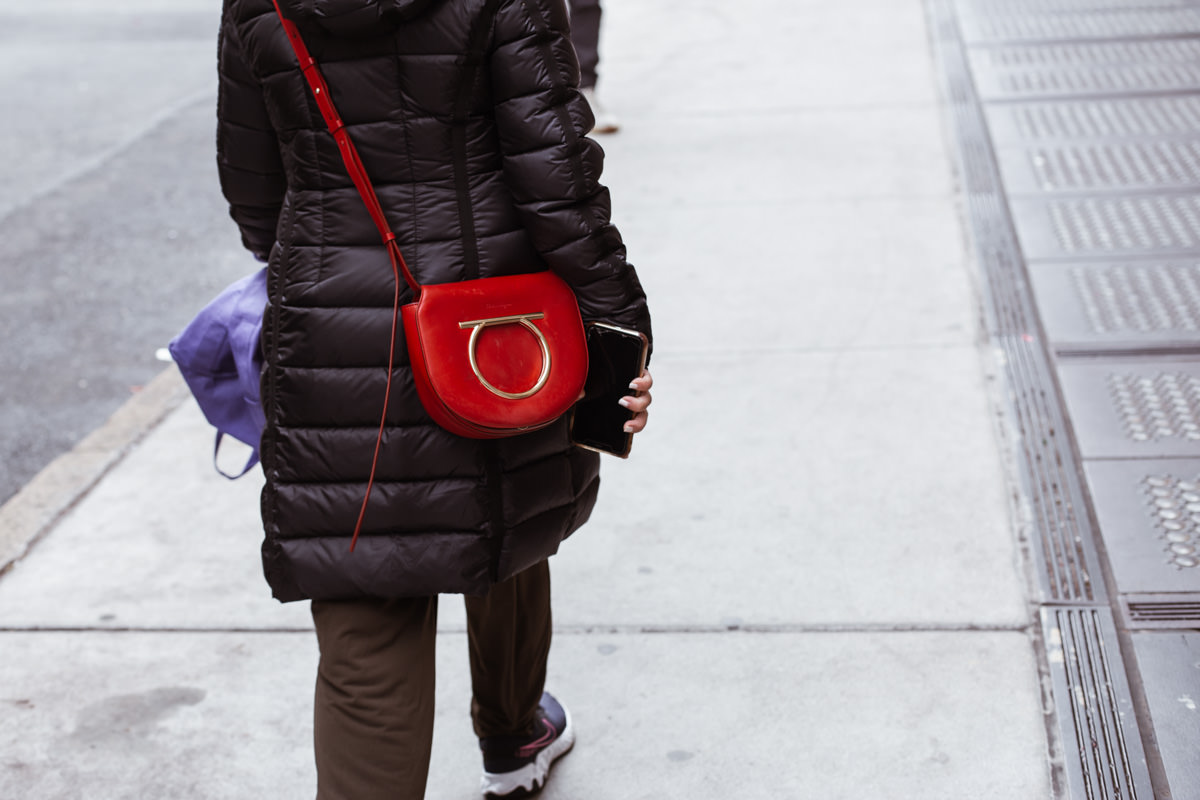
(529, 779)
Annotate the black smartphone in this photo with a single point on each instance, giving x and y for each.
(616, 356)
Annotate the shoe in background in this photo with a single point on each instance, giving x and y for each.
(606, 121)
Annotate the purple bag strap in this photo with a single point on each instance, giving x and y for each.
(250, 462)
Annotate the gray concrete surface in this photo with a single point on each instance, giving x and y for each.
(848, 715)
(112, 227)
(805, 583)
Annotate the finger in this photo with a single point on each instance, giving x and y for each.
(637, 424)
(637, 404)
(642, 383)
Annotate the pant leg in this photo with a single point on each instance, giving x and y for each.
(373, 716)
(585, 35)
(508, 633)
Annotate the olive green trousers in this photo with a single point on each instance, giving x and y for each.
(373, 716)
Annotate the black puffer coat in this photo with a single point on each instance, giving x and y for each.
(467, 119)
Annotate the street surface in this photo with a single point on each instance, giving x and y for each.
(112, 228)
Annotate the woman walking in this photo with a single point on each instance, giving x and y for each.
(469, 122)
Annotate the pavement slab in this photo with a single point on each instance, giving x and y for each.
(662, 58)
(177, 546)
(859, 495)
(833, 715)
(830, 274)
(779, 158)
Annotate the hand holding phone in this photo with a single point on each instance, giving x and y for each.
(614, 406)
(638, 402)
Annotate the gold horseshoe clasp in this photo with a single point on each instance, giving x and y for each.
(525, 320)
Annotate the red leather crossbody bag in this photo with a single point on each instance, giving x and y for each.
(491, 357)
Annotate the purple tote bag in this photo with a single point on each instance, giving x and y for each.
(219, 356)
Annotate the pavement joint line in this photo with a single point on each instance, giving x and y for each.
(634, 208)
(687, 353)
(566, 630)
(41, 503)
(781, 111)
(786, 628)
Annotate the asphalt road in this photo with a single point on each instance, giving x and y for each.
(113, 231)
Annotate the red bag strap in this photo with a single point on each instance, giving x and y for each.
(358, 174)
(354, 165)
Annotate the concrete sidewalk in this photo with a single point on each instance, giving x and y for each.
(805, 583)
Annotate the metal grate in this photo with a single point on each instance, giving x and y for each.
(1102, 166)
(1148, 408)
(1112, 80)
(1114, 224)
(1096, 119)
(1182, 52)
(1173, 505)
(1146, 510)
(1109, 24)
(1007, 7)
(1162, 611)
(1156, 407)
(1139, 298)
(1026, 72)
(1092, 694)
(1061, 545)
(1112, 307)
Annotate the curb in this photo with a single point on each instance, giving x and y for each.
(33, 511)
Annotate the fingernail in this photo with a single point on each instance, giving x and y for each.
(633, 386)
(625, 402)
(628, 429)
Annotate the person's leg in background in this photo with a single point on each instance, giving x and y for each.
(585, 35)
(373, 716)
(521, 729)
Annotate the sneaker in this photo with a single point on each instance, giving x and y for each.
(517, 766)
(606, 122)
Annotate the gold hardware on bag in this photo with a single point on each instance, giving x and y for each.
(516, 319)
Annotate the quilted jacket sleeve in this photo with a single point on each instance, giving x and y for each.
(552, 168)
(248, 160)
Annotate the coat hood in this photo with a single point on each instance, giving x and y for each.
(353, 17)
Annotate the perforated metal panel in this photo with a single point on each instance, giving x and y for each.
(1019, 84)
(1149, 516)
(1108, 118)
(1101, 166)
(1108, 24)
(1057, 56)
(1166, 224)
(1113, 306)
(1139, 298)
(1063, 70)
(1142, 408)
(969, 8)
